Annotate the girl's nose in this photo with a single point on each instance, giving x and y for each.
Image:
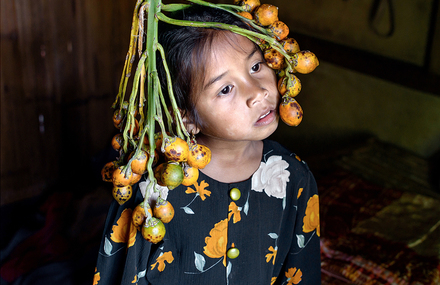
(255, 93)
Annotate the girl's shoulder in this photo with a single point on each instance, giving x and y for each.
(273, 148)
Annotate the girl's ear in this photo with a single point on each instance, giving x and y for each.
(190, 126)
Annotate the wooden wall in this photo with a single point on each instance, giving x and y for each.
(61, 63)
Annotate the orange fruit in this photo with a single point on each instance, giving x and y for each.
(250, 5)
(290, 45)
(135, 178)
(164, 211)
(158, 173)
(172, 175)
(138, 217)
(305, 61)
(176, 149)
(191, 174)
(146, 149)
(245, 14)
(279, 30)
(107, 171)
(199, 156)
(139, 163)
(291, 112)
(274, 58)
(117, 141)
(118, 117)
(122, 194)
(121, 176)
(266, 14)
(289, 85)
(153, 230)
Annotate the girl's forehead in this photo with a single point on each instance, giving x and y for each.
(229, 44)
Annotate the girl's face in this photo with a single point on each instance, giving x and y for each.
(239, 97)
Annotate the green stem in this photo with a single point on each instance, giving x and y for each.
(151, 46)
(165, 108)
(230, 9)
(225, 7)
(174, 7)
(179, 122)
(253, 36)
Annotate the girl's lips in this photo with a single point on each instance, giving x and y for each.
(266, 118)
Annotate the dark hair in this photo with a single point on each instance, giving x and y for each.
(186, 48)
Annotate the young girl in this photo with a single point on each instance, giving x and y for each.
(253, 216)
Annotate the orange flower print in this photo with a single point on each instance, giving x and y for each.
(293, 276)
(217, 241)
(97, 277)
(200, 189)
(234, 210)
(300, 190)
(166, 256)
(311, 219)
(272, 255)
(272, 281)
(124, 231)
(135, 280)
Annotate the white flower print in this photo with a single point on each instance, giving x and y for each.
(272, 177)
(161, 191)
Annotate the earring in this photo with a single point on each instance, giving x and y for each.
(193, 137)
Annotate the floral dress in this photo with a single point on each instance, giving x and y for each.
(264, 230)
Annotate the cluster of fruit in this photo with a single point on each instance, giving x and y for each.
(287, 61)
(176, 163)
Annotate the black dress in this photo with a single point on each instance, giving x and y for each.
(271, 232)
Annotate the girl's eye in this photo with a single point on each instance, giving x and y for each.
(226, 90)
(256, 67)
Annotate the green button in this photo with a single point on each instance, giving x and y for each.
(235, 194)
(233, 253)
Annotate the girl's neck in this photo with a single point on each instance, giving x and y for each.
(232, 161)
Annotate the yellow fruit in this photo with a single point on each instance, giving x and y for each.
(290, 45)
(172, 175)
(245, 14)
(107, 171)
(117, 142)
(121, 176)
(153, 230)
(122, 194)
(305, 61)
(199, 156)
(139, 216)
(289, 85)
(158, 173)
(139, 163)
(279, 30)
(164, 211)
(191, 174)
(176, 150)
(266, 14)
(118, 117)
(274, 58)
(250, 5)
(291, 112)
